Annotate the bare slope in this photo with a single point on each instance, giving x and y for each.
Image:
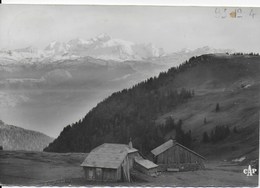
(234, 83)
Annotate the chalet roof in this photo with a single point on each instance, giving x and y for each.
(146, 163)
(170, 143)
(107, 156)
(162, 148)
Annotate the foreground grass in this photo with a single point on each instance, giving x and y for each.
(48, 169)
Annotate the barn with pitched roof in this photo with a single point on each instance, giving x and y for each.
(113, 162)
(172, 155)
(109, 162)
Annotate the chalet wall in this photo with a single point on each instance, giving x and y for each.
(142, 169)
(177, 154)
(181, 166)
(122, 173)
(101, 174)
(131, 157)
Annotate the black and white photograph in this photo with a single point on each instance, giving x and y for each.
(124, 95)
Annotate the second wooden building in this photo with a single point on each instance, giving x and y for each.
(172, 155)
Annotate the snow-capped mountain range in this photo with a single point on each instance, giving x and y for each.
(100, 47)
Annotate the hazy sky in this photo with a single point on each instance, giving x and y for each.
(171, 28)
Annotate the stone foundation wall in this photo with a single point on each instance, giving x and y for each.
(181, 166)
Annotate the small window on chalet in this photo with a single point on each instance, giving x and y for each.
(182, 157)
(99, 171)
(91, 174)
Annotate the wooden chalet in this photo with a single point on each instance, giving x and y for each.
(109, 162)
(113, 162)
(173, 156)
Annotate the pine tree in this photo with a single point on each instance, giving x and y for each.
(217, 107)
(205, 137)
(169, 124)
(205, 121)
(235, 130)
(193, 93)
(227, 131)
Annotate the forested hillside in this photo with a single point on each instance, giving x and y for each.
(16, 138)
(141, 112)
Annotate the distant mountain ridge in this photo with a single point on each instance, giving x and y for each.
(178, 57)
(101, 47)
(16, 138)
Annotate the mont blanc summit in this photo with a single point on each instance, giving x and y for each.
(106, 48)
(100, 47)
